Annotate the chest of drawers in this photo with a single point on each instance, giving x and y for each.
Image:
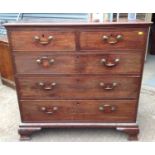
(78, 75)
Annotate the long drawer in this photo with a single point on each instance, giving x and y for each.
(45, 63)
(42, 40)
(108, 39)
(78, 111)
(78, 87)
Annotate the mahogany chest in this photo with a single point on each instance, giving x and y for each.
(78, 75)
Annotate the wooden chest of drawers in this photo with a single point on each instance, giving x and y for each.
(78, 75)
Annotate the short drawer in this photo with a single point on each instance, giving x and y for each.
(78, 87)
(32, 63)
(78, 111)
(107, 39)
(42, 40)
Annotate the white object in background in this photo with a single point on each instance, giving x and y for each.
(110, 17)
(117, 17)
(148, 17)
(101, 17)
(132, 16)
(105, 17)
(97, 17)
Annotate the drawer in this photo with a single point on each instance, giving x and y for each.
(121, 39)
(78, 111)
(32, 63)
(78, 87)
(42, 40)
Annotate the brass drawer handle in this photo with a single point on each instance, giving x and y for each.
(45, 61)
(43, 41)
(111, 39)
(110, 64)
(49, 110)
(108, 86)
(45, 86)
(107, 108)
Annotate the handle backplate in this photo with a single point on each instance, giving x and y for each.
(46, 86)
(107, 108)
(108, 63)
(43, 40)
(49, 110)
(45, 61)
(111, 39)
(108, 86)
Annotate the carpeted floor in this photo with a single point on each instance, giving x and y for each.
(9, 121)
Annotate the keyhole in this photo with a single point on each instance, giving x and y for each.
(77, 103)
(77, 80)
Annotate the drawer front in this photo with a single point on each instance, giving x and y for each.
(32, 63)
(79, 111)
(113, 39)
(78, 87)
(42, 40)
